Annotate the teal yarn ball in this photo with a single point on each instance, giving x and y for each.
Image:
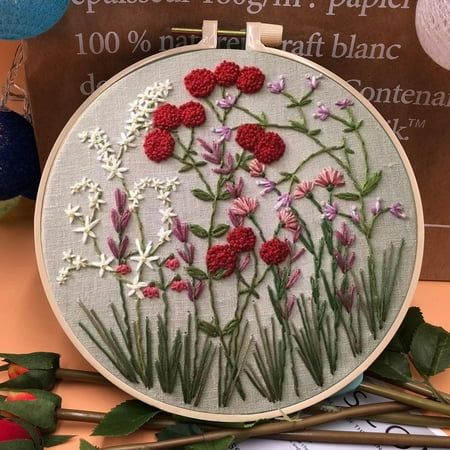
(22, 19)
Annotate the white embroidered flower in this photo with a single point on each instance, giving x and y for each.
(79, 263)
(135, 287)
(167, 214)
(95, 201)
(103, 265)
(68, 255)
(164, 235)
(83, 136)
(87, 229)
(72, 212)
(63, 275)
(113, 166)
(164, 196)
(135, 196)
(156, 183)
(165, 87)
(144, 256)
(126, 141)
(94, 187)
(172, 183)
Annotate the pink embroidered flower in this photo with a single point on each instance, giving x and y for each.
(293, 278)
(277, 86)
(345, 103)
(224, 133)
(354, 215)
(195, 289)
(150, 292)
(283, 201)
(256, 168)
(180, 230)
(235, 219)
(212, 153)
(227, 166)
(330, 178)
(322, 113)
(123, 269)
(296, 254)
(187, 254)
(329, 210)
(344, 237)
(235, 189)
(172, 263)
(120, 198)
(179, 285)
(346, 297)
(288, 219)
(243, 262)
(303, 189)
(120, 220)
(227, 102)
(313, 81)
(288, 307)
(397, 210)
(376, 207)
(118, 251)
(244, 206)
(268, 186)
(345, 262)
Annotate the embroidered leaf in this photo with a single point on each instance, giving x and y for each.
(230, 326)
(298, 126)
(198, 231)
(200, 164)
(208, 328)
(125, 419)
(179, 430)
(220, 444)
(202, 195)
(402, 339)
(430, 349)
(371, 183)
(224, 196)
(392, 365)
(84, 445)
(196, 273)
(314, 132)
(185, 168)
(218, 275)
(349, 151)
(52, 440)
(220, 230)
(351, 196)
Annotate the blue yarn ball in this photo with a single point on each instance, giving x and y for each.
(22, 19)
(19, 162)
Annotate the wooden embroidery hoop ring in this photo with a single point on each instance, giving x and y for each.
(257, 33)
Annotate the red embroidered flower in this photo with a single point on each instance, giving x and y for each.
(248, 135)
(226, 73)
(192, 114)
(179, 285)
(250, 80)
(274, 251)
(221, 257)
(123, 269)
(200, 82)
(242, 239)
(269, 148)
(172, 263)
(159, 145)
(151, 292)
(167, 117)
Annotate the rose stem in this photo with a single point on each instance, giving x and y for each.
(268, 428)
(403, 397)
(413, 386)
(80, 375)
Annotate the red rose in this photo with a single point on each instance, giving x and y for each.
(12, 431)
(192, 114)
(274, 251)
(167, 117)
(226, 73)
(242, 239)
(250, 80)
(200, 82)
(159, 145)
(221, 257)
(269, 148)
(248, 135)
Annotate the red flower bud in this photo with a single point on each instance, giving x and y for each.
(14, 371)
(19, 396)
(12, 431)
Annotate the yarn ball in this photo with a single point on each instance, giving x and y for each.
(19, 162)
(433, 29)
(22, 19)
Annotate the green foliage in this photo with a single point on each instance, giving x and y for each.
(196, 273)
(202, 195)
(220, 230)
(350, 196)
(52, 440)
(84, 445)
(198, 231)
(371, 183)
(392, 365)
(220, 444)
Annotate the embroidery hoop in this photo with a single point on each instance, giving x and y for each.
(253, 43)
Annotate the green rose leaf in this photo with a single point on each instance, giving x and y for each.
(202, 195)
(430, 349)
(125, 419)
(391, 365)
(220, 444)
(198, 231)
(402, 339)
(220, 230)
(84, 445)
(350, 196)
(371, 183)
(52, 440)
(208, 328)
(196, 273)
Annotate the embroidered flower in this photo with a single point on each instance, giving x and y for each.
(344, 236)
(172, 263)
(376, 207)
(180, 230)
(187, 254)
(244, 206)
(288, 307)
(63, 275)
(329, 210)
(179, 285)
(123, 269)
(150, 292)
(114, 166)
(330, 178)
(303, 189)
(241, 239)
(277, 86)
(293, 278)
(283, 201)
(167, 117)
(345, 103)
(79, 262)
(235, 189)
(226, 73)
(250, 80)
(120, 198)
(159, 145)
(269, 148)
(163, 235)
(288, 219)
(227, 167)
(322, 113)
(192, 114)
(256, 168)
(345, 262)
(212, 153)
(135, 287)
(120, 221)
(166, 215)
(200, 82)
(346, 297)
(248, 135)
(195, 289)
(95, 201)
(313, 81)
(397, 210)
(87, 228)
(72, 212)
(223, 132)
(235, 219)
(354, 215)
(274, 251)
(243, 262)
(144, 255)
(268, 186)
(227, 102)
(103, 265)
(221, 258)
(68, 255)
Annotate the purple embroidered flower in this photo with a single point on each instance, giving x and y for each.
(397, 210)
(344, 237)
(277, 86)
(113, 247)
(288, 306)
(243, 263)
(322, 113)
(346, 297)
(345, 103)
(180, 230)
(120, 220)
(195, 289)
(293, 278)
(268, 186)
(187, 254)
(345, 262)
(227, 102)
(211, 154)
(118, 251)
(236, 219)
(376, 207)
(235, 189)
(354, 215)
(329, 210)
(224, 133)
(120, 198)
(283, 201)
(227, 167)
(313, 81)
